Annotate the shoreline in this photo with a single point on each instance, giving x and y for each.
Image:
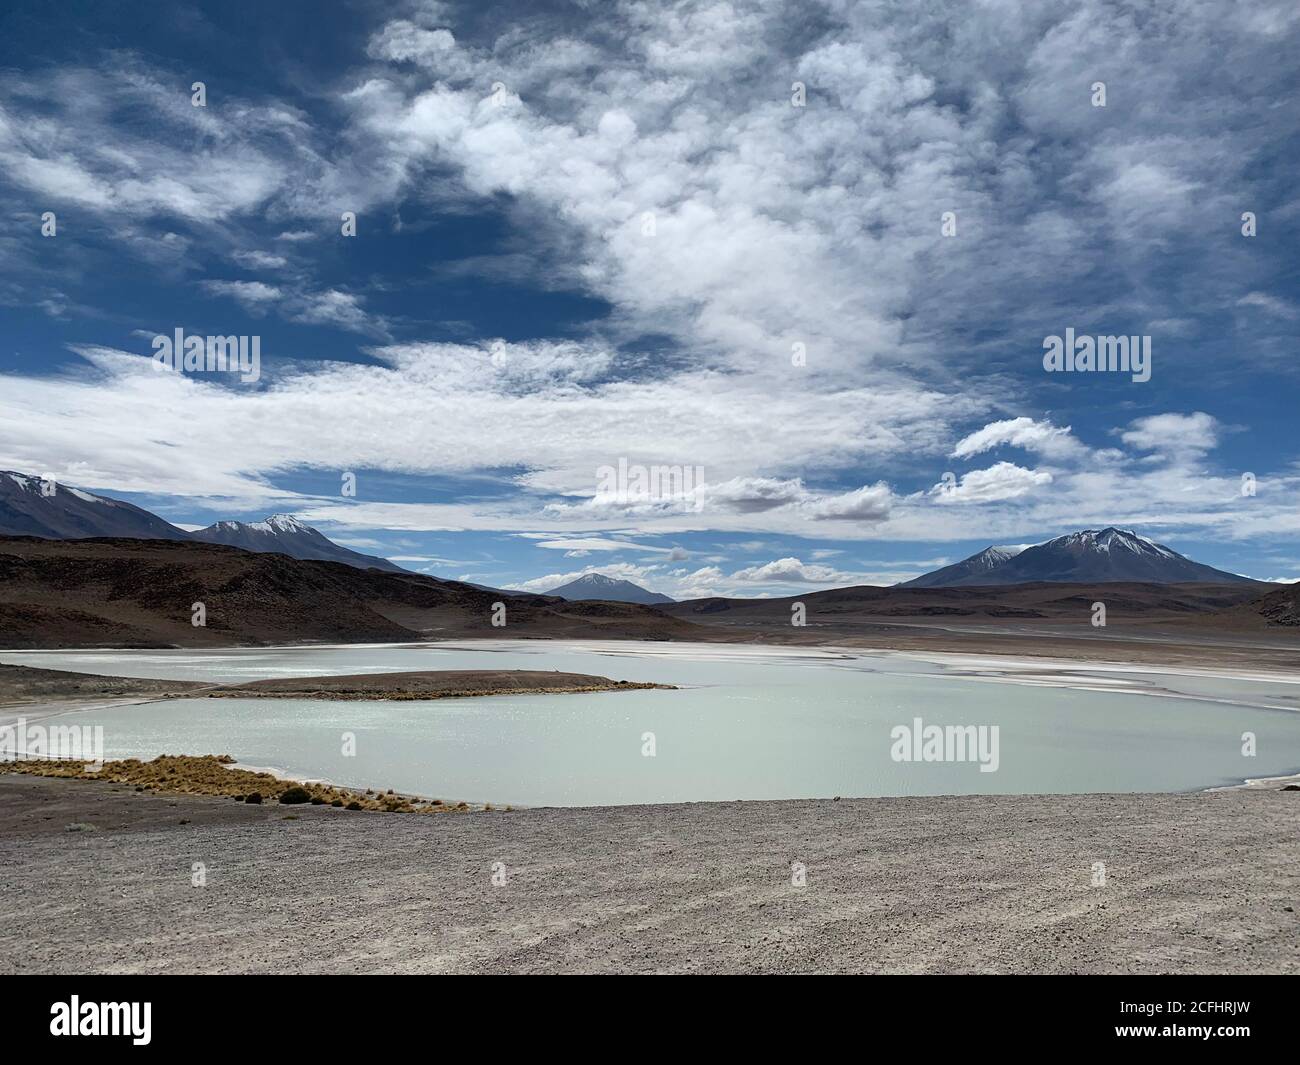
(51, 692)
(220, 776)
(191, 780)
(1270, 654)
(1285, 782)
(1006, 665)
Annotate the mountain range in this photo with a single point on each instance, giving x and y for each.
(129, 592)
(1088, 557)
(35, 506)
(608, 589)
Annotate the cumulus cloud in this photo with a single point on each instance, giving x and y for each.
(750, 494)
(870, 503)
(787, 570)
(1004, 480)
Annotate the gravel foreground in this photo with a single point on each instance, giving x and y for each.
(1203, 883)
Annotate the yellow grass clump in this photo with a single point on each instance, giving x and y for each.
(210, 774)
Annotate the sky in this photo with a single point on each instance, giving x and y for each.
(807, 255)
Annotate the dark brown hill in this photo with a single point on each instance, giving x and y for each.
(1126, 603)
(140, 593)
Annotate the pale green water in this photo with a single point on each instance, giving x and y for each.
(748, 724)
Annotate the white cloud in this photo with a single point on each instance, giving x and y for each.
(1042, 437)
(343, 310)
(586, 544)
(748, 495)
(871, 503)
(185, 161)
(790, 570)
(623, 571)
(1272, 304)
(260, 260)
(1173, 434)
(254, 295)
(333, 307)
(1004, 480)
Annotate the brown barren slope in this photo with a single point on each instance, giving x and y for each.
(140, 593)
(1244, 625)
(20, 685)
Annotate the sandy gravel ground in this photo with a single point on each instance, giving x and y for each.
(1195, 883)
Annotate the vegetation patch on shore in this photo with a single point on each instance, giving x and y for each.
(211, 774)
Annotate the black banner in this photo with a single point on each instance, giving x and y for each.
(339, 1014)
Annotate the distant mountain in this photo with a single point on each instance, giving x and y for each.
(1087, 557)
(608, 589)
(964, 571)
(71, 514)
(288, 536)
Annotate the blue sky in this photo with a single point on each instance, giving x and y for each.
(589, 233)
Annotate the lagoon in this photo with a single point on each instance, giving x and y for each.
(746, 723)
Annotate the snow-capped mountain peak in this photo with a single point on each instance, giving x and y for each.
(41, 506)
(997, 555)
(286, 535)
(977, 565)
(284, 523)
(1089, 556)
(38, 506)
(1112, 538)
